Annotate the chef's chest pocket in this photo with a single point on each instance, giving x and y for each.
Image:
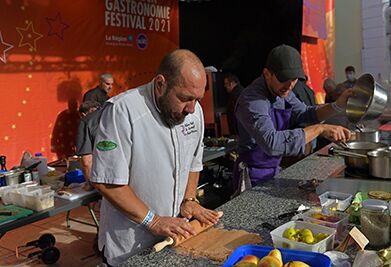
(188, 151)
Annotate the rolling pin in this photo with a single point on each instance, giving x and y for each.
(198, 227)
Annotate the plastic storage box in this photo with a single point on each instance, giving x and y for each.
(322, 246)
(32, 197)
(343, 200)
(39, 199)
(311, 258)
(339, 221)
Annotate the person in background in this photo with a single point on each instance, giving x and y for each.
(268, 114)
(350, 81)
(329, 86)
(100, 93)
(147, 158)
(90, 114)
(303, 92)
(234, 89)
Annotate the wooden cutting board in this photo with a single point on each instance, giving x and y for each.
(217, 243)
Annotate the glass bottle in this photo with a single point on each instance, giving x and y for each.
(3, 163)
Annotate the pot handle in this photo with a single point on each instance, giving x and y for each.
(342, 144)
(334, 151)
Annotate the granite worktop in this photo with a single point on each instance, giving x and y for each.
(262, 203)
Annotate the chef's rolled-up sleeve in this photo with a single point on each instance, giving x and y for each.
(112, 148)
(254, 117)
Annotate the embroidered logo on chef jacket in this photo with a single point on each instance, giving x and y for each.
(189, 128)
(106, 145)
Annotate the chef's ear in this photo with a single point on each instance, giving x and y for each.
(267, 73)
(160, 83)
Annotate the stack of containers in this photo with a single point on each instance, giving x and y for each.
(32, 197)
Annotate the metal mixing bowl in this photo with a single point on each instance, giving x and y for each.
(368, 101)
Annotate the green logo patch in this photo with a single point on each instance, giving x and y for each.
(106, 145)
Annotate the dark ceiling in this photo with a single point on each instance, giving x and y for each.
(236, 36)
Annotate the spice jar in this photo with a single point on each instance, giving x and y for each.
(375, 222)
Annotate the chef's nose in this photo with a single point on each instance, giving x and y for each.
(190, 106)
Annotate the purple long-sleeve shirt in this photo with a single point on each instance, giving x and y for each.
(255, 126)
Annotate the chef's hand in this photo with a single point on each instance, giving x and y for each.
(191, 209)
(88, 186)
(343, 98)
(335, 132)
(171, 227)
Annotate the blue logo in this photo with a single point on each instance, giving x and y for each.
(130, 38)
(142, 41)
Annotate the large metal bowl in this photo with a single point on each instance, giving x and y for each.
(368, 101)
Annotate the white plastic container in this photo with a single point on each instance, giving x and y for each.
(39, 199)
(343, 200)
(5, 189)
(340, 224)
(32, 197)
(322, 246)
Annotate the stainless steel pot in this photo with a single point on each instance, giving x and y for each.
(356, 162)
(380, 162)
(368, 101)
(369, 135)
(13, 177)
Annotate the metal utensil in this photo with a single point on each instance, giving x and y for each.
(335, 151)
(342, 144)
(359, 128)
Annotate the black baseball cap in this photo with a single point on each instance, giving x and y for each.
(285, 62)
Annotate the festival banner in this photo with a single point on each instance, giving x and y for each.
(53, 51)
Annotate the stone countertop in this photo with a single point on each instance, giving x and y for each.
(249, 210)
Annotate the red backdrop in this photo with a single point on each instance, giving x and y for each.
(318, 47)
(52, 52)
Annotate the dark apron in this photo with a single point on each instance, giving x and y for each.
(260, 165)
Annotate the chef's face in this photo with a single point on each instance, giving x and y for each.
(277, 87)
(177, 102)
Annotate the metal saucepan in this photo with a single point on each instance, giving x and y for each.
(380, 162)
(354, 161)
(366, 134)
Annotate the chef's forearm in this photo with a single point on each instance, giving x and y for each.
(312, 132)
(124, 199)
(86, 164)
(192, 184)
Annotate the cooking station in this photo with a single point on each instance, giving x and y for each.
(261, 204)
(265, 202)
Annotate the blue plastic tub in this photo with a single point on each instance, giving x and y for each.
(313, 259)
(75, 176)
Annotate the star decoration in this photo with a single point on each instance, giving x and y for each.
(57, 26)
(29, 36)
(4, 47)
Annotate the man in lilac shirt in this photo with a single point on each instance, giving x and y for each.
(268, 114)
